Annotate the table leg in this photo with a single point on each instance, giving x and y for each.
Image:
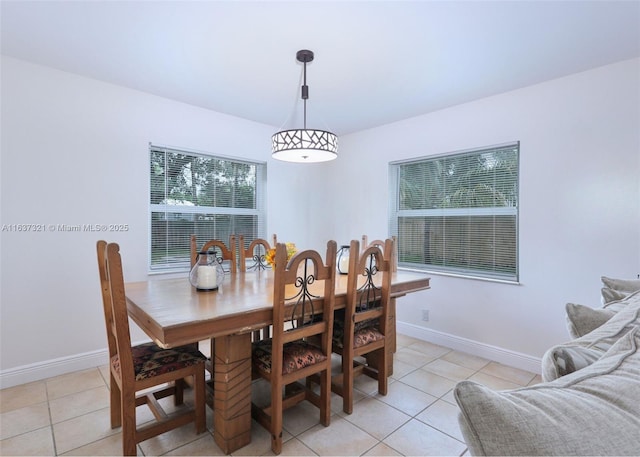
(232, 391)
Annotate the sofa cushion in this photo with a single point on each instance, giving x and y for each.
(583, 319)
(616, 289)
(594, 411)
(609, 295)
(618, 305)
(567, 357)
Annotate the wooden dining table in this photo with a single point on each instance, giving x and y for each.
(173, 313)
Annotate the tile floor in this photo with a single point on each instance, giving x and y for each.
(69, 414)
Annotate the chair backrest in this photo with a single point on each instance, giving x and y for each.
(105, 287)
(115, 306)
(222, 252)
(368, 285)
(294, 305)
(254, 254)
(366, 243)
(380, 244)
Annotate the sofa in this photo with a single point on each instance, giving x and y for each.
(589, 400)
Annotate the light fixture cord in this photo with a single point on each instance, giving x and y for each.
(305, 94)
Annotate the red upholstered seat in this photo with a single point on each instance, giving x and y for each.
(295, 356)
(150, 360)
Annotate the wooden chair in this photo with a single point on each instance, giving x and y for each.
(254, 254)
(223, 253)
(380, 243)
(362, 328)
(288, 357)
(133, 369)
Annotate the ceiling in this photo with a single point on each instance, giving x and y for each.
(376, 62)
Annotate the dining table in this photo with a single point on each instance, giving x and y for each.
(173, 313)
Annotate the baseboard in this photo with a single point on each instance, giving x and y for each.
(494, 353)
(55, 367)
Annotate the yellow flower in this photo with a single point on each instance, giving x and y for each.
(291, 250)
(270, 256)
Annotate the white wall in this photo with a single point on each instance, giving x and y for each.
(579, 203)
(75, 151)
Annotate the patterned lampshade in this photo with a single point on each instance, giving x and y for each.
(304, 145)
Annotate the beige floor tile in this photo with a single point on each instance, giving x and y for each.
(407, 399)
(381, 450)
(294, 447)
(36, 442)
(442, 416)
(337, 404)
(111, 445)
(341, 438)
(82, 430)
(78, 381)
(429, 349)
(260, 441)
(405, 340)
(418, 416)
(417, 438)
(449, 398)
(377, 418)
(173, 439)
(537, 379)
(507, 373)
(23, 395)
(493, 382)
(78, 404)
(24, 420)
(365, 385)
(401, 368)
(412, 357)
(448, 370)
(104, 372)
(428, 382)
(466, 360)
(203, 445)
(300, 417)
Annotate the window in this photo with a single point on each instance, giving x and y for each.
(458, 213)
(211, 197)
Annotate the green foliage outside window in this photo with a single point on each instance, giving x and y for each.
(211, 197)
(458, 213)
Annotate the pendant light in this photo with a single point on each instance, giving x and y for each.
(304, 145)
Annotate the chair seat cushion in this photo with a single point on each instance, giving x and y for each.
(365, 332)
(296, 355)
(150, 360)
(366, 335)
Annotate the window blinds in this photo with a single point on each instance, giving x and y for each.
(211, 197)
(458, 213)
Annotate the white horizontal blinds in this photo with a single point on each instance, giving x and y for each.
(211, 197)
(458, 213)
